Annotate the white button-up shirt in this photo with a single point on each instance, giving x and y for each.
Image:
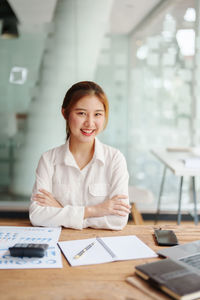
(57, 172)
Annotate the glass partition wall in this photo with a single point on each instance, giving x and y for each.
(162, 95)
(153, 88)
(150, 74)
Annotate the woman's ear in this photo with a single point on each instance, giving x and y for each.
(63, 113)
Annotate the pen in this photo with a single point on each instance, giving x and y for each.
(84, 250)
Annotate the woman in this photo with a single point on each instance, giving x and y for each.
(82, 183)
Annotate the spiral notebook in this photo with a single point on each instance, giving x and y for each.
(105, 249)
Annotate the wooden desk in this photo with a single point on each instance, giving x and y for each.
(96, 282)
(173, 160)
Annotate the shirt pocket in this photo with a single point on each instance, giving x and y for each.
(99, 191)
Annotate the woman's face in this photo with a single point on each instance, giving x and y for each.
(86, 119)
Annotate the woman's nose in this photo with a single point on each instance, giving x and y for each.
(89, 121)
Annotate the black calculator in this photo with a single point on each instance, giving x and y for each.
(28, 250)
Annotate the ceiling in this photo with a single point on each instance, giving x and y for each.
(125, 14)
(33, 12)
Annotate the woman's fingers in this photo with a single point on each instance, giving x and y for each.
(118, 200)
(45, 195)
(45, 192)
(117, 206)
(40, 200)
(120, 213)
(40, 196)
(120, 207)
(123, 204)
(46, 199)
(121, 210)
(120, 197)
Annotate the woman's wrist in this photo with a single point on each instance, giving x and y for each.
(90, 211)
(87, 212)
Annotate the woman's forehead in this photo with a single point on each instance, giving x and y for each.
(89, 101)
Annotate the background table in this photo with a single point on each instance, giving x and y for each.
(174, 160)
(104, 281)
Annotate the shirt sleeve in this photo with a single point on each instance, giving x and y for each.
(118, 186)
(68, 216)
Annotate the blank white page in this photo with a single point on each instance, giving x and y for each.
(128, 247)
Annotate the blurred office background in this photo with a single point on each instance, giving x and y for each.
(145, 55)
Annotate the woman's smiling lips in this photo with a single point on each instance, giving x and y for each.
(87, 132)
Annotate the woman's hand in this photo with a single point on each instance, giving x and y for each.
(113, 206)
(46, 199)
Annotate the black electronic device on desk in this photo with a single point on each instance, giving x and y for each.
(28, 250)
(165, 237)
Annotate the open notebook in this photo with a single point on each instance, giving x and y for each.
(105, 249)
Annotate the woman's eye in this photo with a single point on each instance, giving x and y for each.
(81, 113)
(98, 114)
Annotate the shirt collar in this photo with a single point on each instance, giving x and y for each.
(65, 156)
(98, 151)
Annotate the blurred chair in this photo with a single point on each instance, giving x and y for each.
(136, 215)
(138, 196)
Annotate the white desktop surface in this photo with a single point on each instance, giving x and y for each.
(174, 160)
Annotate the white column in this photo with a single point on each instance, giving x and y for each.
(70, 56)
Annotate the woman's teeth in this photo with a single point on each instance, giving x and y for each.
(87, 131)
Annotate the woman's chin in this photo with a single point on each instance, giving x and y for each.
(85, 138)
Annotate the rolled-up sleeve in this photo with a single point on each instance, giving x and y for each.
(68, 216)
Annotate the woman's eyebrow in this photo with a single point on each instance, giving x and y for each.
(79, 108)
